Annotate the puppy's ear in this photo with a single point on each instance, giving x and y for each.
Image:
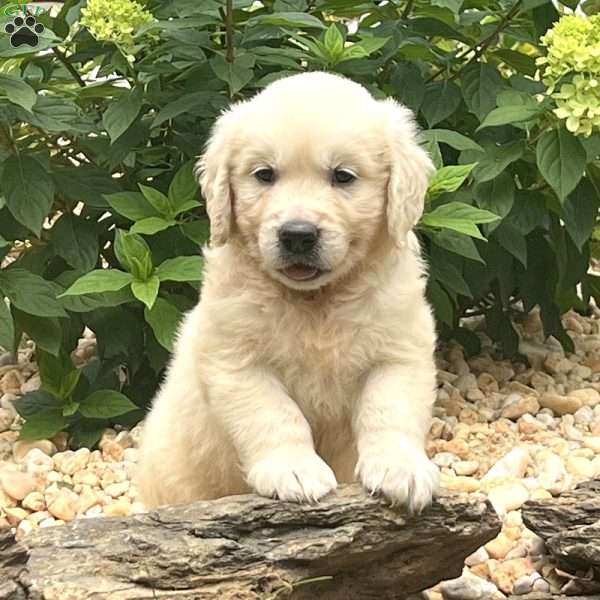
(213, 173)
(410, 168)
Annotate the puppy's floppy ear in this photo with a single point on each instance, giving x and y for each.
(410, 168)
(213, 171)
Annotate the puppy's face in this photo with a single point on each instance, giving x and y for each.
(306, 168)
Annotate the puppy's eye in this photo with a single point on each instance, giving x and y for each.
(265, 174)
(343, 176)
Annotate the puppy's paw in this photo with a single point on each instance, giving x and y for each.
(298, 476)
(402, 473)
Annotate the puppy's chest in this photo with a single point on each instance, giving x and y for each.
(321, 361)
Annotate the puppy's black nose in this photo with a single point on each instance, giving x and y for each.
(298, 237)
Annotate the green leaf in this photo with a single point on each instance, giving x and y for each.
(197, 231)
(481, 83)
(185, 104)
(452, 138)
(497, 195)
(457, 243)
(236, 74)
(333, 41)
(184, 188)
(134, 254)
(31, 293)
(99, 281)
(452, 5)
(182, 268)
(295, 20)
(164, 318)
(17, 91)
(36, 402)
(43, 425)
(58, 374)
(121, 114)
(512, 241)
(28, 190)
(441, 100)
(495, 160)
(448, 179)
(444, 310)
(458, 217)
(105, 404)
(561, 160)
(7, 327)
(132, 205)
(581, 212)
(157, 200)
(408, 85)
(46, 332)
(521, 62)
(75, 239)
(146, 291)
(504, 115)
(152, 225)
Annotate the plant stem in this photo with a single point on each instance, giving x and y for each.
(408, 9)
(230, 53)
(480, 47)
(68, 66)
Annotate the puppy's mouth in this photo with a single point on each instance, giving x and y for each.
(300, 272)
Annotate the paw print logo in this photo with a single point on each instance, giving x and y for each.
(24, 31)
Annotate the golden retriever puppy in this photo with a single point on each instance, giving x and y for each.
(309, 359)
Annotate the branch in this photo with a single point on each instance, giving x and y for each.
(68, 66)
(350, 546)
(480, 47)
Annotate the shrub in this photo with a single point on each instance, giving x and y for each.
(100, 219)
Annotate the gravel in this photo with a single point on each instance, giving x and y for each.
(507, 430)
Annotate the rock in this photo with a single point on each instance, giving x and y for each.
(34, 501)
(580, 467)
(584, 415)
(6, 419)
(25, 527)
(508, 496)
(117, 489)
(593, 443)
(31, 385)
(21, 448)
(121, 508)
(557, 364)
(465, 467)
(552, 473)
(516, 406)
(64, 505)
(587, 396)
(478, 557)
(499, 547)
(36, 461)
(523, 585)
(15, 515)
(459, 484)
(70, 462)
(468, 587)
(444, 459)
(560, 405)
(505, 574)
(11, 382)
(17, 484)
(511, 465)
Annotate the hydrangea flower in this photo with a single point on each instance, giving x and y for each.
(571, 71)
(115, 20)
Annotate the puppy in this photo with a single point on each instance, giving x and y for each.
(309, 359)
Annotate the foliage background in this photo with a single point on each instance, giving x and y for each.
(97, 140)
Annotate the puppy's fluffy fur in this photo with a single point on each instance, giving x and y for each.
(285, 387)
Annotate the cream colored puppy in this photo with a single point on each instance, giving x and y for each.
(309, 359)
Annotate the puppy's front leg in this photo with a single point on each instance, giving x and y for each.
(392, 419)
(272, 438)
